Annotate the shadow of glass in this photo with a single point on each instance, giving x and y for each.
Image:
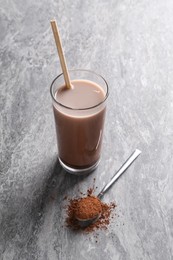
(59, 184)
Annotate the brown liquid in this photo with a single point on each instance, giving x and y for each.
(79, 132)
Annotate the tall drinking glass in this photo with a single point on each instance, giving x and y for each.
(79, 115)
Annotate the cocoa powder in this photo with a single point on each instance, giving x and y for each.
(88, 208)
(81, 208)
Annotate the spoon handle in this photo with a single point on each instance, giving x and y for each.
(122, 169)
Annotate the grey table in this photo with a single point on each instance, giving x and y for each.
(130, 43)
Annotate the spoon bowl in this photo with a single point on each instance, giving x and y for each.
(87, 222)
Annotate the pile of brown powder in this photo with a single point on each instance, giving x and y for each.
(88, 207)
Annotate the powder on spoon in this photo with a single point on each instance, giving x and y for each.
(88, 208)
(80, 208)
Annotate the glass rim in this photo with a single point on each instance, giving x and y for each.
(87, 108)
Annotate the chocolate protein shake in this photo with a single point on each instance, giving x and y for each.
(79, 118)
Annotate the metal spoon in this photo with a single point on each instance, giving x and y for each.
(123, 168)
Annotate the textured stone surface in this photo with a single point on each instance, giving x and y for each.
(130, 43)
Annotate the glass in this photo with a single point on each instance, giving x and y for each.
(79, 130)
